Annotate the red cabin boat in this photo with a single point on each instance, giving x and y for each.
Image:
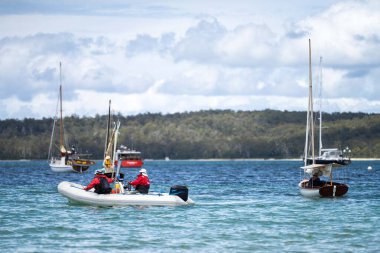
(130, 158)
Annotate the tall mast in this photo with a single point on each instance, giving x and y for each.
(108, 128)
(60, 100)
(311, 105)
(320, 107)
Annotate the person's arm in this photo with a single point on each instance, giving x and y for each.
(135, 182)
(92, 184)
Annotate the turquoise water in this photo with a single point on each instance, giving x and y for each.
(241, 206)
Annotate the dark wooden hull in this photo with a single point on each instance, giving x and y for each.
(335, 190)
(81, 165)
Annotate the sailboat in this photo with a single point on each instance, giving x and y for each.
(327, 188)
(328, 155)
(67, 160)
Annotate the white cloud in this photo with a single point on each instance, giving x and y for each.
(177, 57)
(200, 42)
(348, 33)
(248, 45)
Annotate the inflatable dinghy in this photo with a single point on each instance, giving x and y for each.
(178, 196)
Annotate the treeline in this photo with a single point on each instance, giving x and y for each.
(196, 135)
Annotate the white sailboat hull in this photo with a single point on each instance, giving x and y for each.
(60, 166)
(75, 193)
(308, 192)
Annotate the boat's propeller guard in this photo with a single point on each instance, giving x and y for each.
(180, 191)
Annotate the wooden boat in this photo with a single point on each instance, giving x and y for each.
(327, 188)
(67, 160)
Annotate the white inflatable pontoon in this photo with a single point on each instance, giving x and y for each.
(76, 194)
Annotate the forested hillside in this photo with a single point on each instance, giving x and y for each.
(197, 135)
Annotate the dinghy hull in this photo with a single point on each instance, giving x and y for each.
(75, 193)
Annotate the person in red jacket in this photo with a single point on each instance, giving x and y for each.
(141, 183)
(101, 183)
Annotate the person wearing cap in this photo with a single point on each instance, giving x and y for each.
(107, 164)
(100, 182)
(314, 181)
(141, 183)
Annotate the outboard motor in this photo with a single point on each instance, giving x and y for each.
(180, 191)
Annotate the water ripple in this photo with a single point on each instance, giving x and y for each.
(241, 206)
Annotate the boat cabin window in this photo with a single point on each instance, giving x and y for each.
(130, 156)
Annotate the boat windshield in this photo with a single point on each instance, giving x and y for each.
(130, 156)
(332, 153)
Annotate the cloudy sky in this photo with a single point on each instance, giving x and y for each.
(175, 56)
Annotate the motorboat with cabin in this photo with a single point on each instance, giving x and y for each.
(130, 158)
(328, 155)
(331, 155)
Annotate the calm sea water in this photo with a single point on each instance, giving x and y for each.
(241, 206)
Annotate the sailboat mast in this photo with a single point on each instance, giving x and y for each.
(320, 107)
(60, 100)
(311, 105)
(108, 128)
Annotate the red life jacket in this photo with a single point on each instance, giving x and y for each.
(141, 180)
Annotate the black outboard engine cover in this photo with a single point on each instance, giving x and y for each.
(181, 191)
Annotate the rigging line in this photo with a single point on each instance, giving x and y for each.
(52, 132)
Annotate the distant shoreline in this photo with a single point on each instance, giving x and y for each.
(253, 159)
(215, 159)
